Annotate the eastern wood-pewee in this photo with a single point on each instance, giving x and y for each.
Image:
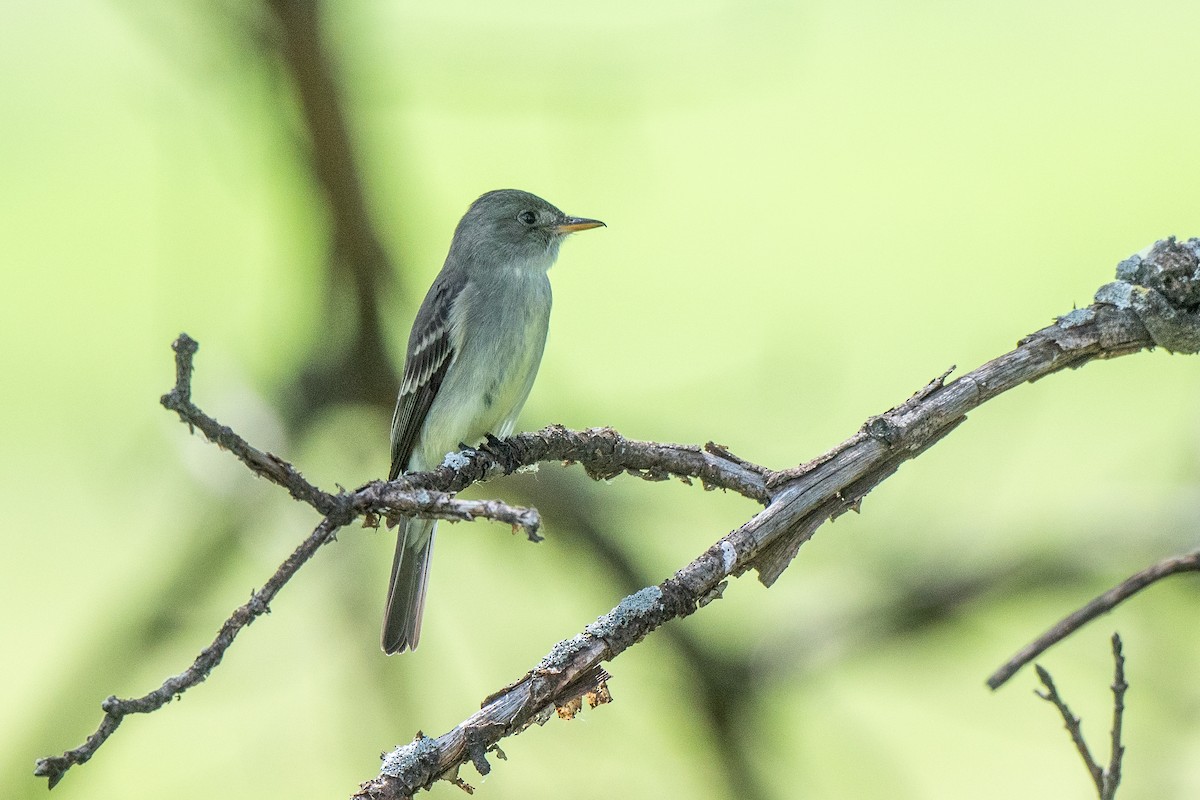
(472, 356)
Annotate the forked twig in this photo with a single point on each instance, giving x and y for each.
(1105, 780)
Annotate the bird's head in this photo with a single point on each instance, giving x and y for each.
(509, 226)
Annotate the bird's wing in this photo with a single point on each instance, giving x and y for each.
(431, 350)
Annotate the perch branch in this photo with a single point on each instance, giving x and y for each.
(1103, 604)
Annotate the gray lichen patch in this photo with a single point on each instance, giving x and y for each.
(1173, 269)
(1117, 293)
(611, 627)
(1130, 269)
(1079, 316)
(562, 654)
(422, 751)
(1171, 328)
(1161, 286)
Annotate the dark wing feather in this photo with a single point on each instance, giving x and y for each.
(430, 353)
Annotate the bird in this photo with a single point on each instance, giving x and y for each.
(473, 353)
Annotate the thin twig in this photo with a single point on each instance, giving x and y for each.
(382, 498)
(266, 465)
(1071, 722)
(115, 710)
(1112, 776)
(1106, 602)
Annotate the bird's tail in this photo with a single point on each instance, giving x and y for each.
(406, 590)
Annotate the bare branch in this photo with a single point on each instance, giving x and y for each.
(1125, 319)
(115, 710)
(383, 498)
(265, 465)
(374, 498)
(1100, 605)
(1105, 780)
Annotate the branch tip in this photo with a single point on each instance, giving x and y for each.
(1174, 565)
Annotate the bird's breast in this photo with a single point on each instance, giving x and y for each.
(499, 333)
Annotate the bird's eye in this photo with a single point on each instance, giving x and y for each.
(527, 217)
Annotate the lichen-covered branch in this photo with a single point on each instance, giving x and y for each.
(1166, 300)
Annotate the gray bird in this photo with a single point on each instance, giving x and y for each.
(472, 356)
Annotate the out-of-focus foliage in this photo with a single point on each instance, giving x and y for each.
(814, 208)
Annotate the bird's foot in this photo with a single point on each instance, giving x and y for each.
(501, 451)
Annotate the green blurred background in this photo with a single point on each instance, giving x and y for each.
(814, 208)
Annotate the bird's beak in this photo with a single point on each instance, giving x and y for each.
(572, 224)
